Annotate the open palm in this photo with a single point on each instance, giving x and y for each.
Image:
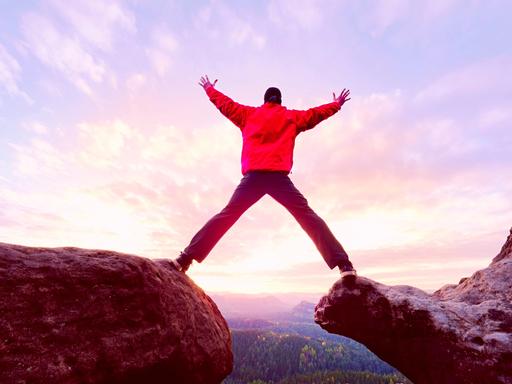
(205, 82)
(343, 97)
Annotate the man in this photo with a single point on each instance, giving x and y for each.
(269, 133)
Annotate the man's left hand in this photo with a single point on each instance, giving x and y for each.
(205, 82)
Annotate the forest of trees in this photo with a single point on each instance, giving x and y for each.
(336, 377)
(269, 357)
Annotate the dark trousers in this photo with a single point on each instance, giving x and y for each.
(253, 186)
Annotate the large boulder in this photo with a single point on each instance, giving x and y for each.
(70, 315)
(459, 334)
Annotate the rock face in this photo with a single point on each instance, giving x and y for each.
(459, 334)
(70, 315)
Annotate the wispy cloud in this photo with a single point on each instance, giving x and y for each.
(10, 73)
(135, 83)
(290, 14)
(398, 165)
(381, 16)
(96, 22)
(152, 180)
(479, 82)
(222, 22)
(72, 42)
(38, 158)
(162, 46)
(35, 127)
(103, 145)
(57, 50)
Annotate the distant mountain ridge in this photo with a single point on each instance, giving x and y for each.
(263, 306)
(241, 305)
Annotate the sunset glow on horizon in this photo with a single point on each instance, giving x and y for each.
(107, 140)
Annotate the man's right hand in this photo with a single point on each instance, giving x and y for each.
(342, 98)
(205, 82)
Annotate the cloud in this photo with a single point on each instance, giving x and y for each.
(103, 144)
(149, 187)
(432, 135)
(135, 83)
(163, 45)
(10, 72)
(220, 21)
(72, 42)
(39, 158)
(478, 82)
(381, 16)
(390, 168)
(35, 127)
(305, 14)
(477, 97)
(495, 116)
(61, 52)
(96, 22)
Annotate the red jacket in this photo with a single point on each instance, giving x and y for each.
(269, 131)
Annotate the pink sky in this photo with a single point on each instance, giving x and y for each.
(108, 141)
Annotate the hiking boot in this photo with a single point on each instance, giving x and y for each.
(182, 263)
(347, 271)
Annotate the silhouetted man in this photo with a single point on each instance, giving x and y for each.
(269, 133)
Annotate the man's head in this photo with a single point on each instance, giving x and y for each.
(272, 95)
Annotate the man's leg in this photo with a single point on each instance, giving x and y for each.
(289, 196)
(248, 192)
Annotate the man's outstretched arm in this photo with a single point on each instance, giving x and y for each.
(308, 119)
(234, 111)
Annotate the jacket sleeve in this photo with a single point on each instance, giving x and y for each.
(308, 119)
(235, 112)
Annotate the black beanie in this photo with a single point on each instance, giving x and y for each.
(272, 95)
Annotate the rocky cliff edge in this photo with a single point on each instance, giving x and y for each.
(459, 334)
(70, 315)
